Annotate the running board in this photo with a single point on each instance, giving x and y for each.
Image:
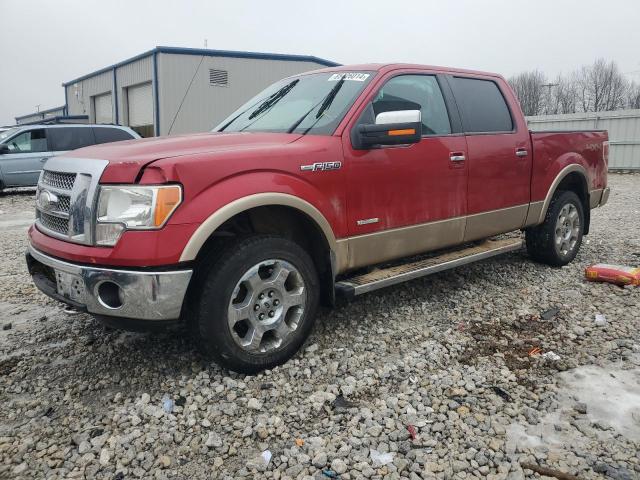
(393, 275)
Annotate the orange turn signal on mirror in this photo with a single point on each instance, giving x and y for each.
(167, 200)
(405, 131)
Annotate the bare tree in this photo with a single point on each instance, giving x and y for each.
(528, 87)
(633, 96)
(566, 95)
(601, 87)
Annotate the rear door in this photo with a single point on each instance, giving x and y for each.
(63, 139)
(499, 156)
(28, 151)
(406, 199)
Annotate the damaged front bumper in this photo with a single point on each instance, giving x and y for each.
(132, 294)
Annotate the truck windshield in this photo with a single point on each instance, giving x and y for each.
(314, 104)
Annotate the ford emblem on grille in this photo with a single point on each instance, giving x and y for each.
(47, 200)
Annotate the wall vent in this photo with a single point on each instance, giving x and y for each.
(219, 78)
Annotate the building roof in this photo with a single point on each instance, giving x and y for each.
(41, 112)
(209, 53)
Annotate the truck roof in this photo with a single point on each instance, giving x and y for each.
(386, 67)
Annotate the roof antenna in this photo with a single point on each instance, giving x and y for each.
(205, 43)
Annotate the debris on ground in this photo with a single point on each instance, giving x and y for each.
(412, 431)
(535, 351)
(548, 472)
(299, 442)
(329, 473)
(342, 402)
(167, 404)
(600, 320)
(550, 355)
(550, 313)
(7, 326)
(617, 274)
(502, 393)
(380, 459)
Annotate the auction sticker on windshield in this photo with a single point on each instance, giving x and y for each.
(352, 76)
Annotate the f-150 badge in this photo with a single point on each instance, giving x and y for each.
(321, 166)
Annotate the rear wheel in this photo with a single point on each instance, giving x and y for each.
(257, 304)
(557, 240)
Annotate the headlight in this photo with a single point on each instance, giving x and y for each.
(123, 208)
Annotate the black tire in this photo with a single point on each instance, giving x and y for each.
(213, 296)
(541, 240)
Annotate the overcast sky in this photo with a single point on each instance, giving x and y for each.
(47, 42)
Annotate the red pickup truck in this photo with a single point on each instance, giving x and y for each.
(324, 182)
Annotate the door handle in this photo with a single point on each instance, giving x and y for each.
(521, 152)
(42, 160)
(457, 157)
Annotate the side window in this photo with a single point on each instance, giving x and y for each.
(29, 142)
(106, 134)
(70, 138)
(415, 92)
(482, 106)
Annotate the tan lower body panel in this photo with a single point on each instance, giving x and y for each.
(486, 224)
(387, 245)
(378, 247)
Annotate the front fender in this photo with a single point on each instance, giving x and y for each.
(225, 199)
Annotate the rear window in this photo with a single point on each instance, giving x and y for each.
(69, 138)
(106, 134)
(482, 106)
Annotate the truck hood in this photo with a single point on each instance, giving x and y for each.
(126, 159)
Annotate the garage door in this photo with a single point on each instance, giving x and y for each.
(103, 109)
(140, 99)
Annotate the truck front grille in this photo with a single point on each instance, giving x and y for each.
(64, 203)
(61, 180)
(65, 198)
(53, 223)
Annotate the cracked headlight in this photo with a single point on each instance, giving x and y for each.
(124, 207)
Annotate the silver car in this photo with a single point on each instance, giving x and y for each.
(25, 149)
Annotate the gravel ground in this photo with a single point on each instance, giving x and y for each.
(430, 379)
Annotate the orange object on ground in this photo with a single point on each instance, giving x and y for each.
(618, 274)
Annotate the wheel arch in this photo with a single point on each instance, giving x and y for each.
(573, 178)
(275, 213)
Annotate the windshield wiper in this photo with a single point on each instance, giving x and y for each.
(273, 99)
(269, 102)
(325, 103)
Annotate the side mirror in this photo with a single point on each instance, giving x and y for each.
(4, 148)
(400, 127)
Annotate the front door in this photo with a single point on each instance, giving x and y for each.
(28, 151)
(499, 157)
(406, 199)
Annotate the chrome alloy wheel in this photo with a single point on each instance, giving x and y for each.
(567, 229)
(266, 306)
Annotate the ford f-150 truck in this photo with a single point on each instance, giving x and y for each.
(339, 180)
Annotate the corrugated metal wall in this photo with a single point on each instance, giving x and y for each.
(79, 94)
(623, 127)
(205, 105)
(135, 73)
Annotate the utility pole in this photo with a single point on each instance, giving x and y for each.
(549, 86)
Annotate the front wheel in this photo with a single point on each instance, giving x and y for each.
(557, 240)
(257, 304)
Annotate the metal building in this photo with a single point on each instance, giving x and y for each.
(169, 90)
(42, 115)
(623, 127)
